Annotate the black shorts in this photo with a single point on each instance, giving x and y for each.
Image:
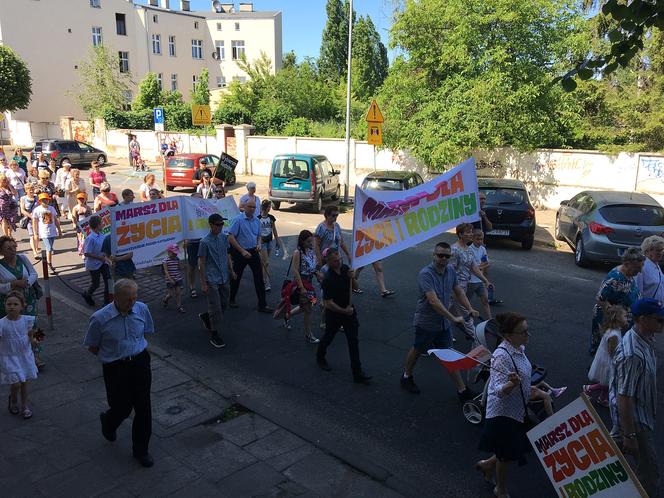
(192, 252)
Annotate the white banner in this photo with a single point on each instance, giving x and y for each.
(104, 214)
(386, 222)
(580, 457)
(196, 212)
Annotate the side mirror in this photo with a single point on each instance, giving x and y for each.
(564, 203)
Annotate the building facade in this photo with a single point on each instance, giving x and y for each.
(160, 36)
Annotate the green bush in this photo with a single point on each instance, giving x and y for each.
(298, 127)
(177, 117)
(271, 117)
(232, 113)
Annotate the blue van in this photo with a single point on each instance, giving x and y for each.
(303, 178)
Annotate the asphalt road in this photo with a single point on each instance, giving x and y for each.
(420, 444)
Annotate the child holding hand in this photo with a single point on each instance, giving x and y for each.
(174, 277)
(17, 361)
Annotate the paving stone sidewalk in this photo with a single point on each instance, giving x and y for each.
(203, 444)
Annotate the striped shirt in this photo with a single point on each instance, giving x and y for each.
(634, 375)
(173, 268)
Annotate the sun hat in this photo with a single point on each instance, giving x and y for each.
(105, 186)
(81, 195)
(44, 196)
(173, 248)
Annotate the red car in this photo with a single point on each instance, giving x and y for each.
(180, 170)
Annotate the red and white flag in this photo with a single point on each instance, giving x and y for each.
(454, 360)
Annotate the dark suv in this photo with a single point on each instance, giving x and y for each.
(509, 209)
(73, 150)
(391, 180)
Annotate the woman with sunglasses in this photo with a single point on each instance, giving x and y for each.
(328, 233)
(650, 280)
(618, 287)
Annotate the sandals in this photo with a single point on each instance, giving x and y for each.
(358, 291)
(181, 309)
(193, 293)
(26, 414)
(164, 301)
(387, 293)
(12, 407)
(487, 476)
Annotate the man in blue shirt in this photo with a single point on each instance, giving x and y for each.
(245, 239)
(116, 334)
(216, 272)
(96, 262)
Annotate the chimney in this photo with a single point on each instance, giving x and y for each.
(184, 5)
(246, 7)
(165, 4)
(227, 7)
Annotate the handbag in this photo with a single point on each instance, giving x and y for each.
(295, 296)
(530, 419)
(23, 222)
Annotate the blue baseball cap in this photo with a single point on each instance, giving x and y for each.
(647, 306)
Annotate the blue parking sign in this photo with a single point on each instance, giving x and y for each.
(158, 115)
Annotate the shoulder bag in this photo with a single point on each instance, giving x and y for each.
(530, 419)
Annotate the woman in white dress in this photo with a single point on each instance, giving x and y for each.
(73, 186)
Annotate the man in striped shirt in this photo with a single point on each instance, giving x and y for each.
(633, 391)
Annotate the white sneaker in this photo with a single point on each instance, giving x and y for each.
(268, 287)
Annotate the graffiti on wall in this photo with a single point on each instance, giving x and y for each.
(651, 167)
(81, 131)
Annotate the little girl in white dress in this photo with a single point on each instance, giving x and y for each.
(17, 361)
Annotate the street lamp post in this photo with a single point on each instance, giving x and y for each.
(350, 47)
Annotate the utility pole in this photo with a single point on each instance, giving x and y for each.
(350, 48)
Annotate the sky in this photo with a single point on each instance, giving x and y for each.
(303, 21)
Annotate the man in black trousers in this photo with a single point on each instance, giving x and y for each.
(116, 334)
(340, 313)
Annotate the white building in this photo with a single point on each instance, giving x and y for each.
(54, 36)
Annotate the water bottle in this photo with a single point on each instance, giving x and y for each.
(490, 292)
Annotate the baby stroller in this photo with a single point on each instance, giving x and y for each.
(474, 410)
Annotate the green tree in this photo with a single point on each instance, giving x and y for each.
(200, 93)
(149, 93)
(369, 63)
(477, 74)
(102, 85)
(15, 81)
(333, 60)
(289, 60)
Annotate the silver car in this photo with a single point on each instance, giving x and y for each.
(600, 225)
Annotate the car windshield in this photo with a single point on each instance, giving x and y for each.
(504, 196)
(181, 162)
(630, 214)
(291, 169)
(383, 184)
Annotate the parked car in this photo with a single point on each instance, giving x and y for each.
(509, 210)
(600, 225)
(303, 178)
(73, 150)
(391, 180)
(180, 170)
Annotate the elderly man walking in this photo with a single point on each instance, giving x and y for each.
(245, 239)
(633, 391)
(116, 335)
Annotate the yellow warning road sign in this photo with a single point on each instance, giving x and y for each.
(374, 115)
(375, 133)
(200, 115)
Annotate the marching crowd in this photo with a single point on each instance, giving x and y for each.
(627, 314)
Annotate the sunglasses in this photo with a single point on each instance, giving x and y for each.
(442, 255)
(218, 224)
(334, 215)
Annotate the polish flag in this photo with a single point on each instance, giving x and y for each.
(454, 360)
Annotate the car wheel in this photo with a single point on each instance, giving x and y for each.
(580, 257)
(170, 188)
(101, 160)
(337, 193)
(557, 232)
(527, 244)
(276, 205)
(318, 204)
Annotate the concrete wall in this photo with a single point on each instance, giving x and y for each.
(25, 133)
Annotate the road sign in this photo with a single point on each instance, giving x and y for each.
(158, 115)
(374, 133)
(374, 115)
(200, 115)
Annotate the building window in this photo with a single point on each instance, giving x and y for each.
(95, 3)
(237, 26)
(237, 46)
(155, 19)
(195, 24)
(218, 26)
(196, 49)
(96, 37)
(240, 79)
(219, 47)
(128, 97)
(171, 46)
(160, 80)
(124, 61)
(121, 24)
(156, 44)
(174, 82)
(221, 81)
(194, 79)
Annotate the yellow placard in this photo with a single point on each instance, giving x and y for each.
(200, 115)
(374, 133)
(373, 114)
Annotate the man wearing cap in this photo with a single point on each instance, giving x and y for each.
(245, 238)
(633, 391)
(96, 261)
(249, 196)
(216, 272)
(197, 177)
(46, 225)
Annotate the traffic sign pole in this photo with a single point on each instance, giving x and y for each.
(350, 51)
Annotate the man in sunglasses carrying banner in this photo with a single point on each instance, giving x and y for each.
(436, 281)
